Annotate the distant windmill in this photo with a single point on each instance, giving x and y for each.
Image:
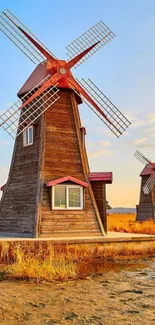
(49, 148)
(146, 207)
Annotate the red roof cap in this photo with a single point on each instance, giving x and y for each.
(100, 176)
(65, 179)
(36, 77)
(148, 170)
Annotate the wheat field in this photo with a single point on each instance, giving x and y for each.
(127, 223)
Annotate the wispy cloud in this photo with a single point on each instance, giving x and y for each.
(104, 143)
(137, 142)
(138, 122)
(98, 149)
(151, 117)
(99, 153)
(89, 144)
(148, 145)
(142, 143)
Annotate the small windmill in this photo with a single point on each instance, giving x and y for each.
(146, 207)
(48, 111)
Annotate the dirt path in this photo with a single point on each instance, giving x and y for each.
(125, 297)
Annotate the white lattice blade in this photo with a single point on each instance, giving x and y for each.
(142, 158)
(119, 123)
(37, 107)
(147, 188)
(99, 32)
(15, 120)
(112, 128)
(9, 26)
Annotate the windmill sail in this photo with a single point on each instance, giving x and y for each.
(149, 184)
(14, 121)
(142, 158)
(118, 123)
(87, 44)
(10, 25)
(99, 32)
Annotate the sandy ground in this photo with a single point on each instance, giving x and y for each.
(121, 295)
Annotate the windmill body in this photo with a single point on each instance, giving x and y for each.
(50, 190)
(146, 207)
(57, 152)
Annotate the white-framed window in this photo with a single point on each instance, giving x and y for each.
(28, 136)
(67, 197)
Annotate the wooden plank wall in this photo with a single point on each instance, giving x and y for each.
(62, 158)
(18, 205)
(153, 201)
(99, 189)
(145, 208)
(54, 154)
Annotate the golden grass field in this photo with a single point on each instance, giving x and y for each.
(41, 260)
(127, 223)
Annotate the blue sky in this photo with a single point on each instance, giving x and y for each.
(124, 70)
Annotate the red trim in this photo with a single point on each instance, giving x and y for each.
(2, 188)
(65, 179)
(100, 176)
(84, 129)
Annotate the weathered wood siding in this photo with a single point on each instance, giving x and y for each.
(18, 204)
(62, 157)
(99, 189)
(153, 200)
(145, 208)
(57, 151)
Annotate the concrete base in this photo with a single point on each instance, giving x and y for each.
(111, 237)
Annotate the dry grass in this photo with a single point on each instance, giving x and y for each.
(36, 260)
(44, 261)
(127, 223)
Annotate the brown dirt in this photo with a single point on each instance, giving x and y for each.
(121, 295)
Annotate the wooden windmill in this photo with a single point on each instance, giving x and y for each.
(50, 190)
(146, 207)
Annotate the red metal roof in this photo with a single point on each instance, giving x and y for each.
(100, 176)
(40, 73)
(65, 179)
(35, 78)
(148, 169)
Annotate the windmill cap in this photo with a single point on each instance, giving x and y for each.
(148, 169)
(36, 77)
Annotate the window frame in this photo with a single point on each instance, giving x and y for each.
(24, 136)
(67, 186)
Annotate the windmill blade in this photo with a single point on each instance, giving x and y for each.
(108, 113)
(12, 27)
(99, 32)
(142, 158)
(147, 188)
(14, 121)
